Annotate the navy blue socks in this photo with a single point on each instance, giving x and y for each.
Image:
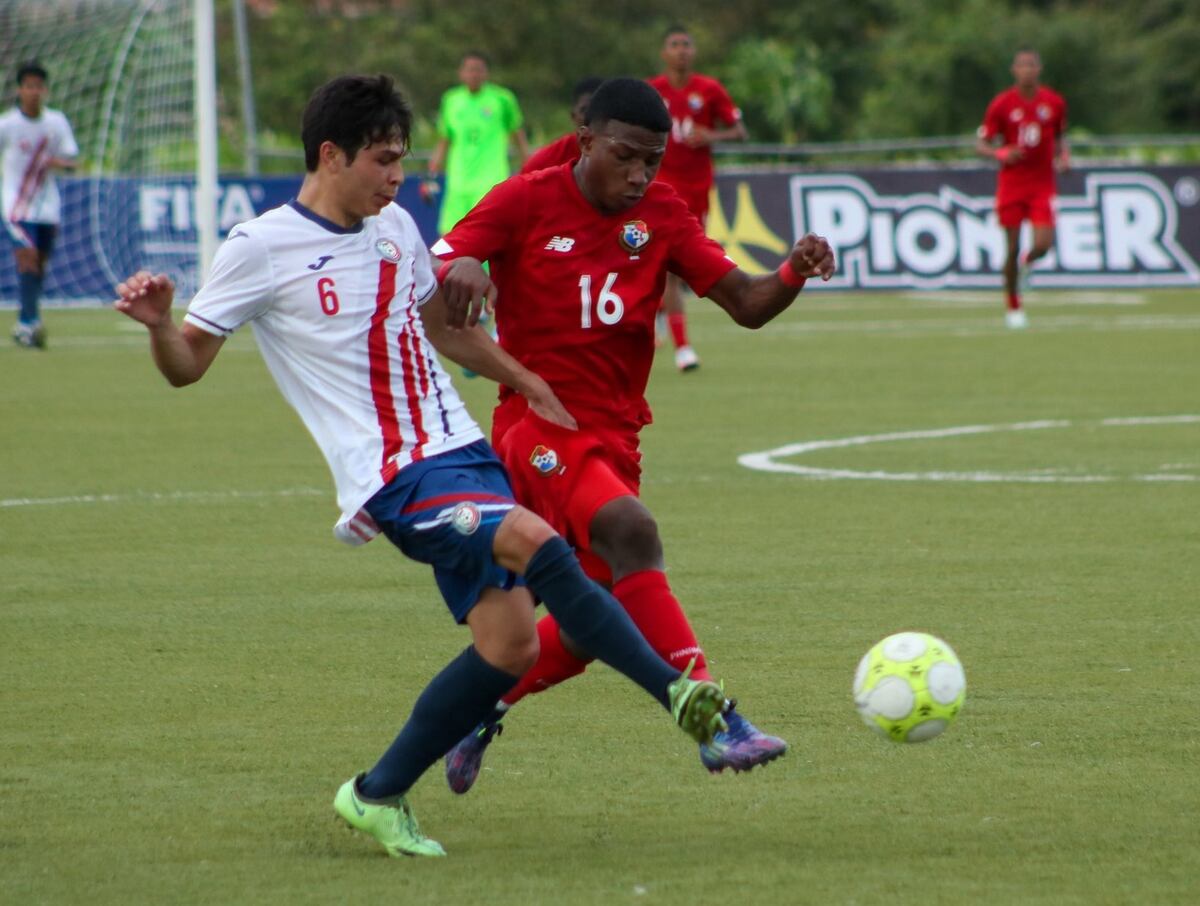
(452, 705)
(29, 288)
(594, 619)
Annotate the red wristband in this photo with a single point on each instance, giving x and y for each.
(788, 275)
(441, 272)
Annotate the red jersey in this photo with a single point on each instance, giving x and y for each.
(579, 290)
(703, 101)
(564, 150)
(1035, 125)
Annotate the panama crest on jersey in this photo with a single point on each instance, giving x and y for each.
(546, 461)
(634, 236)
(387, 249)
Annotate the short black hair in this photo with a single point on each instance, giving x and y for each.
(353, 112)
(630, 101)
(31, 67)
(676, 29)
(475, 55)
(586, 85)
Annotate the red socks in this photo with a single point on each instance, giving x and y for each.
(651, 604)
(554, 664)
(655, 610)
(677, 321)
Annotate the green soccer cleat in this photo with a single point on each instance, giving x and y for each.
(698, 706)
(395, 826)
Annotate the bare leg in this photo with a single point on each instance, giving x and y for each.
(1011, 261)
(1043, 241)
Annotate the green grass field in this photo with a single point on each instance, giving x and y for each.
(191, 664)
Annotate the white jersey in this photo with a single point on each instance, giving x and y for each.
(336, 316)
(29, 190)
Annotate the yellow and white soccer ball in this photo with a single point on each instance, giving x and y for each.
(909, 687)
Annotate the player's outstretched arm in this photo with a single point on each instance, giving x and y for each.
(753, 301)
(181, 355)
(474, 349)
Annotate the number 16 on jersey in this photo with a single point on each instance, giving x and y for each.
(608, 306)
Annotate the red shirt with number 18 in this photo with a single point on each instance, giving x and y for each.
(702, 101)
(1034, 125)
(579, 290)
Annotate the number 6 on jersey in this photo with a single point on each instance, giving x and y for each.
(610, 307)
(328, 297)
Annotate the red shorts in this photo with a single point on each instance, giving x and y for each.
(566, 476)
(1037, 207)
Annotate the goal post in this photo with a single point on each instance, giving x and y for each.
(136, 79)
(205, 75)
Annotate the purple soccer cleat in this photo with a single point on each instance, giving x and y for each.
(466, 758)
(741, 747)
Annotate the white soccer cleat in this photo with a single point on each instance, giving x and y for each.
(31, 336)
(686, 359)
(1014, 319)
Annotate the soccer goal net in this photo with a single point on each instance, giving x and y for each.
(122, 72)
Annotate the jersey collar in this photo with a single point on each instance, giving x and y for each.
(321, 221)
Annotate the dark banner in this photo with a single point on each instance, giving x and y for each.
(922, 229)
(935, 228)
(114, 227)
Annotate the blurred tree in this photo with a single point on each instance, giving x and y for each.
(802, 70)
(781, 87)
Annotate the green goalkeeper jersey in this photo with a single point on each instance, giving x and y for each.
(477, 127)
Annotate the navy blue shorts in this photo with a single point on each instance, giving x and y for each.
(40, 235)
(444, 511)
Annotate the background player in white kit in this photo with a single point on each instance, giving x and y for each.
(338, 288)
(34, 141)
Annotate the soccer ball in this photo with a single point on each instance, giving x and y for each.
(909, 687)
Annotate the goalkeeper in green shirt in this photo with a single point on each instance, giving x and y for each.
(476, 121)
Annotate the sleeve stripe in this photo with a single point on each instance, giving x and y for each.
(205, 324)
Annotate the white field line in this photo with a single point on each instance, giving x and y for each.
(160, 497)
(769, 460)
(131, 335)
(918, 327)
(965, 299)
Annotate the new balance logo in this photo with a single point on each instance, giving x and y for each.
(560, 244)
(321, 262)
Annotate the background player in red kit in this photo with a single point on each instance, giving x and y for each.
(565, 150)
(1023, 130)
(579, 254)
(701, 113)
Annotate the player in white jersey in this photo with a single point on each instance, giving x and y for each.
(34, 141)
(339, 291)
(309, 311)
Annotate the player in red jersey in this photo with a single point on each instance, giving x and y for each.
(701, 113)
(565, 150)
(579, 255)
(1024, 131)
